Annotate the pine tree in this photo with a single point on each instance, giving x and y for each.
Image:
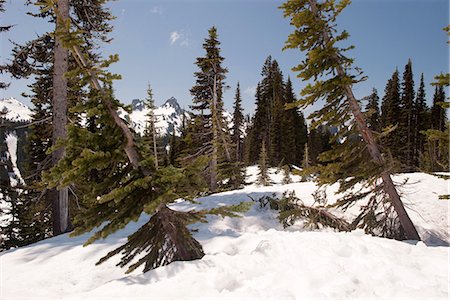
(295, 131)
(263, 175)
(438, 115)
(238, 121)
(211, 134)
(150, 137)
(421, 122)
(373, 118)
(36, 58)
(3, 28)
(406, 120)
(237, 173)
(315, 23)
(390, 114)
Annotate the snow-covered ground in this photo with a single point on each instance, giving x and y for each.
(252, 257)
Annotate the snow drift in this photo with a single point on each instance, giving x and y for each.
(252, 256)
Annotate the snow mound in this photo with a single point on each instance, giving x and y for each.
(13, 110)
(251, 257)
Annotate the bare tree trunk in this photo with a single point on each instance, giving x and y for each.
(60, 199)
(388, 185)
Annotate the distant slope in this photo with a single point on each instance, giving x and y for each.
(14, 110)
(169, 116)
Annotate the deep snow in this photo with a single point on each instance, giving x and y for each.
(252, 257)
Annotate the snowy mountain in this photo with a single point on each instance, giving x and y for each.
(252, 256)
(169, 116)
(14, 110)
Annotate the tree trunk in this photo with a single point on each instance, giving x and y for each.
(60, 199)
(388, 185)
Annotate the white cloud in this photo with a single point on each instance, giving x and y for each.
(174, 36)
(251, 90)
(180, 37)
(157, 9)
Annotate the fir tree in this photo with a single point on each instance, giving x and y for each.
(421, 122)
(211, 135)
(150, 133)
(438, 115)
(390, 114)
(406, 120)
(238, 121)
(236, 171)
(373, 118)
(315, 34)
(263, 175)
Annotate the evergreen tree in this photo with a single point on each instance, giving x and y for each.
(373, 118)
(238, 121)
(438, 115)
(150, 137)
(436, 156)
(406, 120)
(421, 122)
(390, 114)
(263, 175)
(212, 137)
(237, 173)
(334, 78)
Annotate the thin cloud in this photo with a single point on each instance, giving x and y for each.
(174, 36)
(251, 90)
(157, 9)
(180, 37)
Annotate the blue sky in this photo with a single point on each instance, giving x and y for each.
(158, 41)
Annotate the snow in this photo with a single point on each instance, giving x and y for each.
(252, 257)
(167, 115)
(15, 110)
(11, 142)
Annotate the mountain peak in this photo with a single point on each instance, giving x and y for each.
(137, 104)
(173, 102)
(14, 110)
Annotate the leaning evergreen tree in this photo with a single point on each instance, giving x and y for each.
(334, 77)
(117, 181)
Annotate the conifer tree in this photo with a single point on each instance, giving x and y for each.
(390, 114)
(438, 115)
(421, 122)
(406, 120)
(150, 134)
(237, 173)
(315, 34)
(238, 121)
(209, 129)
(373, 110)
(263, 175)
(437, 138)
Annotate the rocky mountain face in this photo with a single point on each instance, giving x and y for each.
(169, 116)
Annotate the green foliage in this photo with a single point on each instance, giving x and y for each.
(331, 75)
(263, 175)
